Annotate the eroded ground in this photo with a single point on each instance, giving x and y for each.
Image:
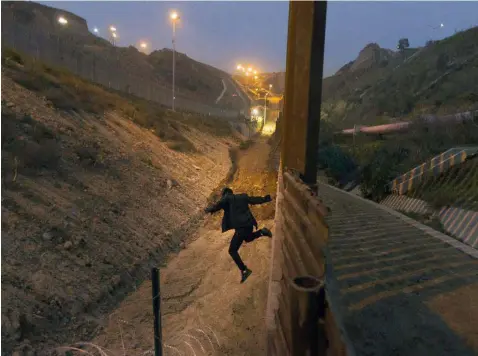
(205, 309)
(88, 203)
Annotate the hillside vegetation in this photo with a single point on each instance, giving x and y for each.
(435, 79)
(381, 85)
(456, 187)
(96, 187)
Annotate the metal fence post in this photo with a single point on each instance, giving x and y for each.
(158, 342)
(307, 308)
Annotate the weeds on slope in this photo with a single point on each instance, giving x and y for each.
(68, 92)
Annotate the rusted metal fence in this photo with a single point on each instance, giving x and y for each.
(301, 318)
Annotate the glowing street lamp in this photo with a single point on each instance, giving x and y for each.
(174, 17)
(239, 67)
(249, 69)
(95, 30)
(113, 35)
(62, 20)
(255, 72)
(255, 112)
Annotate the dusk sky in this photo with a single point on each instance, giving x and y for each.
(223, 34)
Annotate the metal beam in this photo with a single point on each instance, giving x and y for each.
(303, 92)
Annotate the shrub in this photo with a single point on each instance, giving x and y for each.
(182, 146)
(244, 145)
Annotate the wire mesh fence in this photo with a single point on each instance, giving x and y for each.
(88, 57)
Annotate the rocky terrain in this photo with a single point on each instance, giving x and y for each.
(381, 85)
(96, 188)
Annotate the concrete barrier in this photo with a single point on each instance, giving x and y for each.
(459, 223)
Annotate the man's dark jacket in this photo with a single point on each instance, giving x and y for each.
(236, 210)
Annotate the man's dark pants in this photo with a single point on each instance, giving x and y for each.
(242, 234)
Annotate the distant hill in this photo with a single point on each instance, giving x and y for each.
(34, 29)
(381, 84)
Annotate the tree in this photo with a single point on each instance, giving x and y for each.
(403, 44)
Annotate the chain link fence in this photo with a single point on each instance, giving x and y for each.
(89, 58)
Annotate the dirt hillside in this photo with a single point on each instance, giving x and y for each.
(33, 28)
(206, 311)
(90, 201)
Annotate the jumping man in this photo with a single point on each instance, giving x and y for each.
(238, 216)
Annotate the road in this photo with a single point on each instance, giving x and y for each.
(205, 308)
(223, 91)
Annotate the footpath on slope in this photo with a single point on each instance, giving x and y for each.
(205, 310)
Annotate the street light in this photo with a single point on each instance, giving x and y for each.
(239, 67)
(174, 17)
(249, 69)
(143, 45)
(62, 20)
(113, 35)
(95, 30)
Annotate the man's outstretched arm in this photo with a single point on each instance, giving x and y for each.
(259, 200)
(211, 209)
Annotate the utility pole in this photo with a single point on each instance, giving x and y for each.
(174, 17)
(265, 108)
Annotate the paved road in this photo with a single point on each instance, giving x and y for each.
(401, 290)
(224, 86)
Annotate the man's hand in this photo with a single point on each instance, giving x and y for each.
(268, 198)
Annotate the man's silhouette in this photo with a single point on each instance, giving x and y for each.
(238, 216)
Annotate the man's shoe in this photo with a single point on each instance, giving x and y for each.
(266, 232)
(244, 274)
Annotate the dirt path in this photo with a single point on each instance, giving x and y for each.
(205, 309)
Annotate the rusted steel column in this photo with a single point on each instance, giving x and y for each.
(307, 308)
(303, 92)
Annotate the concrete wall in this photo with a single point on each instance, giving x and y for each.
(299, 243)
(109, 68)
(459, 223)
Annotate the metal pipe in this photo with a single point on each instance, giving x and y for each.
(158, 342)
(307, 308)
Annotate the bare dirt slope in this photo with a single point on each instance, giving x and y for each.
(89, 202)
(205, 308)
